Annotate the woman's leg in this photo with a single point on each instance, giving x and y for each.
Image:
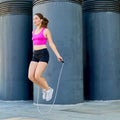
(41, 66)
(31, 71)
(47, 94)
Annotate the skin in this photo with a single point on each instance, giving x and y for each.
(37, 68)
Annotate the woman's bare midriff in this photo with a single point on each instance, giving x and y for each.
(39, 47)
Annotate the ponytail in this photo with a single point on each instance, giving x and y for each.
(45, 22)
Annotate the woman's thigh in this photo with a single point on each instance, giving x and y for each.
(32, 69)
(41, 66)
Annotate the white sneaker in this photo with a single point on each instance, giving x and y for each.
(44, 94)
(49, 94)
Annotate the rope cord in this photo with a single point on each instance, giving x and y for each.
(58, 83)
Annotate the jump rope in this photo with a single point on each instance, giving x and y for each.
(54, 100)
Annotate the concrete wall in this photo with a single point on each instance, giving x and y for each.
(15, 42)
(102, 36)
(65, 23)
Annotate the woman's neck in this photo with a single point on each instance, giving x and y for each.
(39, 27)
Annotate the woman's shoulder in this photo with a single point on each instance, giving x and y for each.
(47, 30)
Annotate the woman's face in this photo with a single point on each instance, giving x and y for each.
(36, 20)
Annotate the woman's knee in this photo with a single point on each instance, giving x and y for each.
(31, 77)
(37, 76)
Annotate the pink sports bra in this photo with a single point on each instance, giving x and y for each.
(39, 39)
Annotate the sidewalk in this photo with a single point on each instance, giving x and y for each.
(92, 110)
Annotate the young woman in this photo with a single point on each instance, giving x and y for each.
(40, 58)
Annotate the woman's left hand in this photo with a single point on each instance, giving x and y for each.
(60, 58)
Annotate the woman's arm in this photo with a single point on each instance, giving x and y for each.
(52, 45)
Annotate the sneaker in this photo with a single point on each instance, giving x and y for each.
(49, 94)
(44, 94)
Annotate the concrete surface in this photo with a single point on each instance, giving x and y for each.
(91, 110)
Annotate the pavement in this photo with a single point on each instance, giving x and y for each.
(89, 110)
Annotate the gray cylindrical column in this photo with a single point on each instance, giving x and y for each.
(102, 33)
(15, 47)
(65, 23)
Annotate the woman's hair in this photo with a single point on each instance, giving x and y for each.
(45, 21)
